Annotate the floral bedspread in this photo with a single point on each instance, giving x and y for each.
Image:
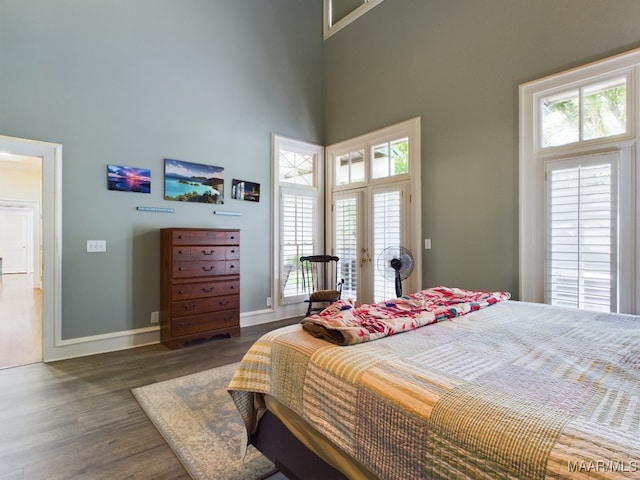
(345, 323)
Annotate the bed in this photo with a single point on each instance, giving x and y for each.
(447, 383)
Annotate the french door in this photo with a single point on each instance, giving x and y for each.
(366, 221)
(374, 204)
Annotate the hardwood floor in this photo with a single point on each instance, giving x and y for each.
(77, 419)
(20, 320)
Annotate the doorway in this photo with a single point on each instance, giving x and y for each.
(20, 281)
(45, 278)
(374, 195)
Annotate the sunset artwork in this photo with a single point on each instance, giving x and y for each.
(193, 182)
(128, 179)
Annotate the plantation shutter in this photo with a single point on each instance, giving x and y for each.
(346, 242)
(387, 232)
(582, 200)
(298, 237)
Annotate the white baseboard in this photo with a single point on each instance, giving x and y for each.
(108, 342)
(111, 342)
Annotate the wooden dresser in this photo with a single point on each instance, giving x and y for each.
(200, 284)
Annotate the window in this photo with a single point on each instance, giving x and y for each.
(349, 168)
(298, 237)
(578, 188)
(347, 241)
(387, 232)
(597, 110)
(340, 13)
(582, 233)
(298, 214)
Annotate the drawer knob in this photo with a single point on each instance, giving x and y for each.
(207, 290)
(208, 269)
(210, 252)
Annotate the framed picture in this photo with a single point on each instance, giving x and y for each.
(243, 190)
(193, 182)
(128, 179)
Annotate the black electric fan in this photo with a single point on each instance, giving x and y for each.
(396, 263)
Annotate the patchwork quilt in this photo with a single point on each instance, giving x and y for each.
(514, 391)
(346, 323)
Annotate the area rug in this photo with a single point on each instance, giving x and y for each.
(201, 424)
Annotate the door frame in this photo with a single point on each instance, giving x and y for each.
(51, 154)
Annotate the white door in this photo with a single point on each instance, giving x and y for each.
(14, 240)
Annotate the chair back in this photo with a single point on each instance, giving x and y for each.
(319, 272)
(320, 280)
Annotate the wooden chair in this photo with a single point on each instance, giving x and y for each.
(320, 281)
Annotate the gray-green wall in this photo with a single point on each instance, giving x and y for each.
(208, 81)
(458, 64)
(133, 82)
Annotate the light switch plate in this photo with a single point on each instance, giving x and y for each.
(96, 246)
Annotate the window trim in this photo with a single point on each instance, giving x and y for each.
(531, 177)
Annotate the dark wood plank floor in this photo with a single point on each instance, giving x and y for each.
(77, 419)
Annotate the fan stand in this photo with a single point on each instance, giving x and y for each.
(397, 265)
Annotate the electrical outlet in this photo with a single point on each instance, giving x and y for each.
(96, 246)
(155, 317)
(268, 301)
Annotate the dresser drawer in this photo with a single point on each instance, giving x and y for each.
(232, 267)
(205, 237)
(187, 291)
(199, 269)
(205, 252)
(226, 302)
(203, 305)
(190, 307)
(204, 322)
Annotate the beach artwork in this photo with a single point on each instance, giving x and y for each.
(243, 190)
(193, 182)
(128, 179)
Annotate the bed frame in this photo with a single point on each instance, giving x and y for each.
(288, 454)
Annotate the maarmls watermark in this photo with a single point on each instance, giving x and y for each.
(604, 466)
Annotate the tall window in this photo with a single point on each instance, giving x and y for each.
(582, 233)
(577, 187)
(297, 211)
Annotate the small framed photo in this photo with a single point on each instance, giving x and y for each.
(243, 190)
(128, 179)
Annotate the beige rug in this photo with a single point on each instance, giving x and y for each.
(199, 421)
